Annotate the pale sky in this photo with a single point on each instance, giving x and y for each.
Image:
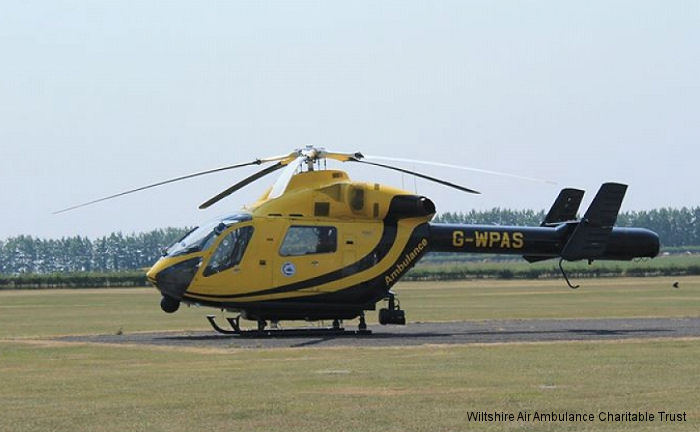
(100, 97)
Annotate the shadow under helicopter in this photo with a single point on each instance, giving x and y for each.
(388, 337)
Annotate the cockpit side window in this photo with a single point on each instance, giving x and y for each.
(230, 250)
(304, 240)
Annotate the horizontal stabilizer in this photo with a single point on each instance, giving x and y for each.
(590, 238)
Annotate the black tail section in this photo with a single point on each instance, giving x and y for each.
(590, 238)
(565, 207)
(560, 235)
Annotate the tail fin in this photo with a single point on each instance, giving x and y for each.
(563, 210)
(590, 238)
(565, 207)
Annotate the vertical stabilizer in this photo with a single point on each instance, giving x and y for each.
(590, 238)
(565, 207)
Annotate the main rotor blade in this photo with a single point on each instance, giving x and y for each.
(246, 181)
(465, 168)
(436, 180)
(283, 180)
(341, 156)
(185, 177)
(289, 156)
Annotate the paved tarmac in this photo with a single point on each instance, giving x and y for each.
(469, 332)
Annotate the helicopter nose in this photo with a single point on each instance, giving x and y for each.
(172, 280)
(151, 275)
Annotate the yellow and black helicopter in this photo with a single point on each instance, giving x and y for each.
(319, 246)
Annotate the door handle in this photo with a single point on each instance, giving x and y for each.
(314, 263)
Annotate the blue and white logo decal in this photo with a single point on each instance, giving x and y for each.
(288, 269)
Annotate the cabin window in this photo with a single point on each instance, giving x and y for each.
(230, 250)
(357, 199)
(322, 209)
(305, 240)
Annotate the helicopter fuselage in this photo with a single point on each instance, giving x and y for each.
(328, 248)
(331, 248)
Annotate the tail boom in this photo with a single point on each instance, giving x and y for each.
(542, 242)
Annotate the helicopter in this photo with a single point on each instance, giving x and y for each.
(319, 246)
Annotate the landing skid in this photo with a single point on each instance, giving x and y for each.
(263, 332)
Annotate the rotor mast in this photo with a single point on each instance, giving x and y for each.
(313, 156)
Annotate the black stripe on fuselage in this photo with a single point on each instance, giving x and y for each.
(358, 297)
(386, 241)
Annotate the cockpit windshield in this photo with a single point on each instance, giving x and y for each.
(202, 237)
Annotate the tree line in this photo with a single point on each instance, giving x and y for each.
(113, 253)
(118, 252)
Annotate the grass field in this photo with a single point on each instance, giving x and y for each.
(32, 313)
(451, 267)
(47, 385)
(488, 262)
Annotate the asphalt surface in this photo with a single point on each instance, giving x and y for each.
(470, 332)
